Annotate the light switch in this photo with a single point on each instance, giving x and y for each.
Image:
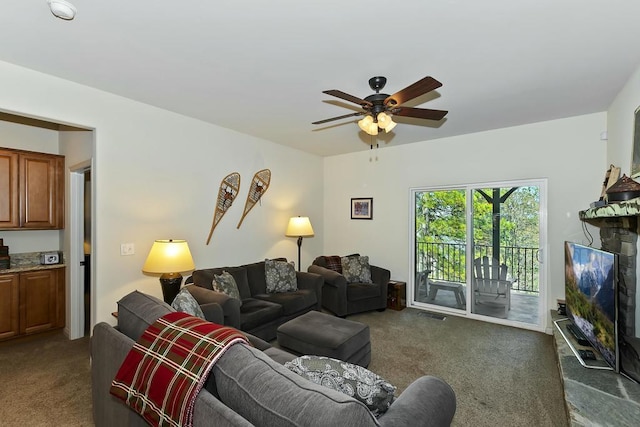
(127, 249)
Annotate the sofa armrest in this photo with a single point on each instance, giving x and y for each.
(313, 282)
(380, 275)
(428, 401)
(213, 312)
(230, 306)
(330, 277)
(109, 347)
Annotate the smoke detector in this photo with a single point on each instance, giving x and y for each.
(62, 9)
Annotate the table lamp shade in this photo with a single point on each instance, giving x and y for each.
(299, 226)
(169, 256)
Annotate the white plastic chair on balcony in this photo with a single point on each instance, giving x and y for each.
(491, 283)
(422, 282)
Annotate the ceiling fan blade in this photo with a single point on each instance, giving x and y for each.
(420, 113)
(347, 97)
(338, 118)
(413, 91)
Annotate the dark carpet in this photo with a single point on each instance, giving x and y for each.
(502, 376)
(45, 380)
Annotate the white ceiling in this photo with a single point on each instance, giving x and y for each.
(260, 67)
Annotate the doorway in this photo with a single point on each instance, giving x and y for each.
(465, 235)
(80, 250)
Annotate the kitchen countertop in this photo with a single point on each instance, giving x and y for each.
(30, 261)
(31, 267)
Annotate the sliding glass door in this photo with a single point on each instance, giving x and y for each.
(477, 250)
(440, 247)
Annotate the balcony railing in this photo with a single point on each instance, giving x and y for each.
(447, 262)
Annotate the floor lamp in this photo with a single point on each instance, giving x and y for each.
(169, 258)
(299, 226)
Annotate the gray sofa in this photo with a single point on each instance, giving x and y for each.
(343, 298)
(248, 387)
(261, 313)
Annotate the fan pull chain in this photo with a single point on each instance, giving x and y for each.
(371, 159)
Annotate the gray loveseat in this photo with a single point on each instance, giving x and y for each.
(247, 387)
(261, 313)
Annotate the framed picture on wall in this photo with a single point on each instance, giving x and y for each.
(362, 208)
(635, 159)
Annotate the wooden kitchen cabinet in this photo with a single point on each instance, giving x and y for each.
(31, 302)
(9, 309)
(9, 206)
(31, 190)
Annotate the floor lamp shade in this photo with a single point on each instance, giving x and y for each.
(299, 226)
(169, 258)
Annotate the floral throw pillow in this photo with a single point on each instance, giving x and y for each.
(280, 276)
(350, 379)
(186, 303)
(356, 269)
(226, 284)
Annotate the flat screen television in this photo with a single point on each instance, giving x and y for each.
(591, 297)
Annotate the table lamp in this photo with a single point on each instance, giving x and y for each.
(299, 227)
(169, 257)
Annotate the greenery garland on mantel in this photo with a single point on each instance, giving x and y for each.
(618, 209)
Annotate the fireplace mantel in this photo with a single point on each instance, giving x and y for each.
(613, 210)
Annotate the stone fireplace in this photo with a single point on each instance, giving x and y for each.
(618, 224)
(620, 235)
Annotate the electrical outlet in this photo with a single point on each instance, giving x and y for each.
(127, 249)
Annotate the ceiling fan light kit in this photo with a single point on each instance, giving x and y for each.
(62, 9)
(368, 125)
(379, 107)
(385, 122)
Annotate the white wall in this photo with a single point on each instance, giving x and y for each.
(31, 138)
(156, 176)
(567, 152)
(620, 124)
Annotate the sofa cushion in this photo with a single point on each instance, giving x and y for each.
(204, 278)
(186, 303)
(137, 311)
(280, 276)
(360, 291)
(267, 394)
(240, 276)
(352, 380)
(292, 302)
(255, 312)
(226, 284)
(356, 269)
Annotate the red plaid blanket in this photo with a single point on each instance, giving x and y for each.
(161, 376)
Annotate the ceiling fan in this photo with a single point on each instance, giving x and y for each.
(379, 107)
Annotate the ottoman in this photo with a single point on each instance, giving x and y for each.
(320, 334)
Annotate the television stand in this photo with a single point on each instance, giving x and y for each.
(578, 335)
(599, 363)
